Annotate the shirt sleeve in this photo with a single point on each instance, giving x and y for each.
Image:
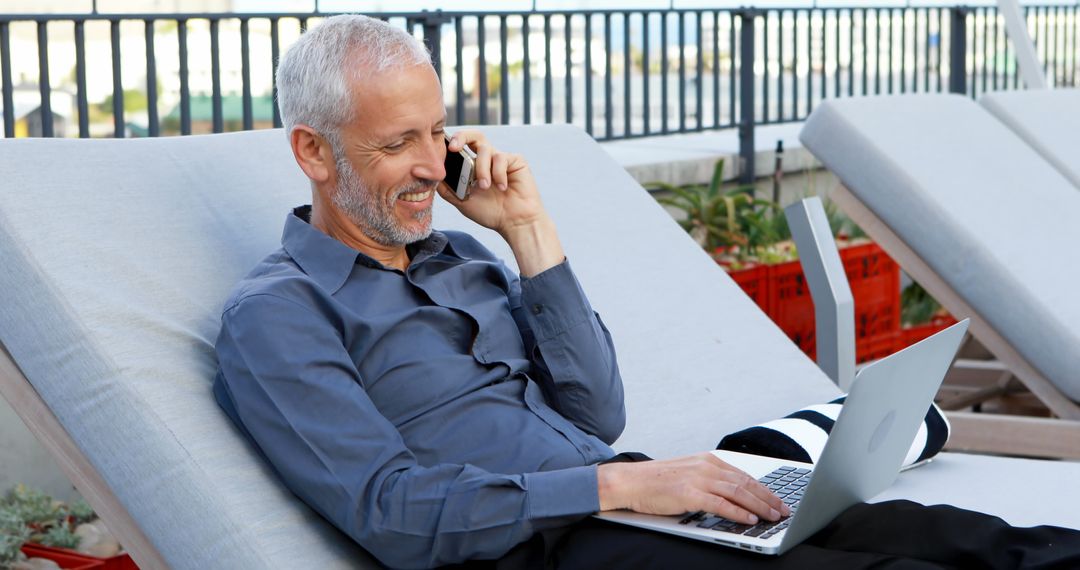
(295, 389)
(571, 350)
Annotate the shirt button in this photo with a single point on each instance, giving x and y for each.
(537, 309)
(588, 448)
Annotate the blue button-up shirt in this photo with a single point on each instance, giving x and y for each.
(438, 414)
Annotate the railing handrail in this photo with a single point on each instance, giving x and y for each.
(672, 61)
(109, 16)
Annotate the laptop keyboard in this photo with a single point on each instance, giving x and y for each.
(787, 483)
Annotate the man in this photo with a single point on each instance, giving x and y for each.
(432, 405)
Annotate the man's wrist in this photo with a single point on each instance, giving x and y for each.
(535, 245)
(610, 479)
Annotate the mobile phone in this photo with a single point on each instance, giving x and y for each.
(460, 171)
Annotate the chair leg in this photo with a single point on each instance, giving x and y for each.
(976, 381)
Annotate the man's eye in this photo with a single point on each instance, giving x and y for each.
(395, 146)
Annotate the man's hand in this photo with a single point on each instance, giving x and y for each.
(701, 482)
(505, 199)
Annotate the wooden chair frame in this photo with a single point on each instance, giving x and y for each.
(41, 422)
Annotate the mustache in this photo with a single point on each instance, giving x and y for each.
(416, 186)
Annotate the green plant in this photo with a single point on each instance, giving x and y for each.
(45, 520)
(59, 536)
(33, 506)
(725, 218)
(736, 227)
(916, 305)
(13, 533)
(841, 225)
(80, 512)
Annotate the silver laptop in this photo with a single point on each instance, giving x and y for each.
(868, 443)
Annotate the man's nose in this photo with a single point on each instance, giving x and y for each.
(430, 164)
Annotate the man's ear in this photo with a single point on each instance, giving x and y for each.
(312, 153)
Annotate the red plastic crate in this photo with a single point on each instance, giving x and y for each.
(875, 285)
(121, 561)
(791, 306)
(755, 282)
(876, 347)
(67, 559)
(912, 335)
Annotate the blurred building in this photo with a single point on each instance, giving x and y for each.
(27, 111)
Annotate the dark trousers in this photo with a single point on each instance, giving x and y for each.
(894, 534)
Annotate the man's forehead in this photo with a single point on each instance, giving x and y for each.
(392, 126)
(397, 101)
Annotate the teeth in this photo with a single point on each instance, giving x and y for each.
(416, 196)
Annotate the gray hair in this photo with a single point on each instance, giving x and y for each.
(313, 76)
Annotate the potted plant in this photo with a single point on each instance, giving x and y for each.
(920, 315)
(13, 533)
(71, 535)
(733, 226)
(750, 238)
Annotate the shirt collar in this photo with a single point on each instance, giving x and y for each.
(323, 258)
(329, 261)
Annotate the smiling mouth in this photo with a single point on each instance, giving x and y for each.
(415, 196)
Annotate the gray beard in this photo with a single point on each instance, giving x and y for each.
(374, 216)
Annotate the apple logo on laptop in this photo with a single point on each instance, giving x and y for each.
(881, 431)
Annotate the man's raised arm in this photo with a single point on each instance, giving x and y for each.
(572, 353)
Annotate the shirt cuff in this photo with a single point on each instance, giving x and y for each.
(554, 301)
(563, 492)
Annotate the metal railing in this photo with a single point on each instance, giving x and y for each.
(616, 73)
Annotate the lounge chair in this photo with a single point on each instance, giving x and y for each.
(118, 254)
(986, 225)
(1047, 120)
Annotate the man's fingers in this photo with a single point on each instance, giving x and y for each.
(470, 137)
(499, 166)
(723, 508)
(446, 193)
(755, 489)
(479, 144)
(752, 485)
(483, 166)
(742, 497)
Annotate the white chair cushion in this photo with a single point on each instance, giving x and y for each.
(1048, 120)
(990, 216)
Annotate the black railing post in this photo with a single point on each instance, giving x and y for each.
(958, 49)
(275, 55)
(7, 88)
(248, 114)
(185, 89)
(216, 104)
(432, 23)
(80, 79)
(153, 121)
(43, 79)
(119, 130)
(747, 104)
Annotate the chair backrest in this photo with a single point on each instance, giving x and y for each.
(1047, 119)
(990, 216)
(118, 255)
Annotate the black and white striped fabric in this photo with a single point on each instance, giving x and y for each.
(801, 436)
